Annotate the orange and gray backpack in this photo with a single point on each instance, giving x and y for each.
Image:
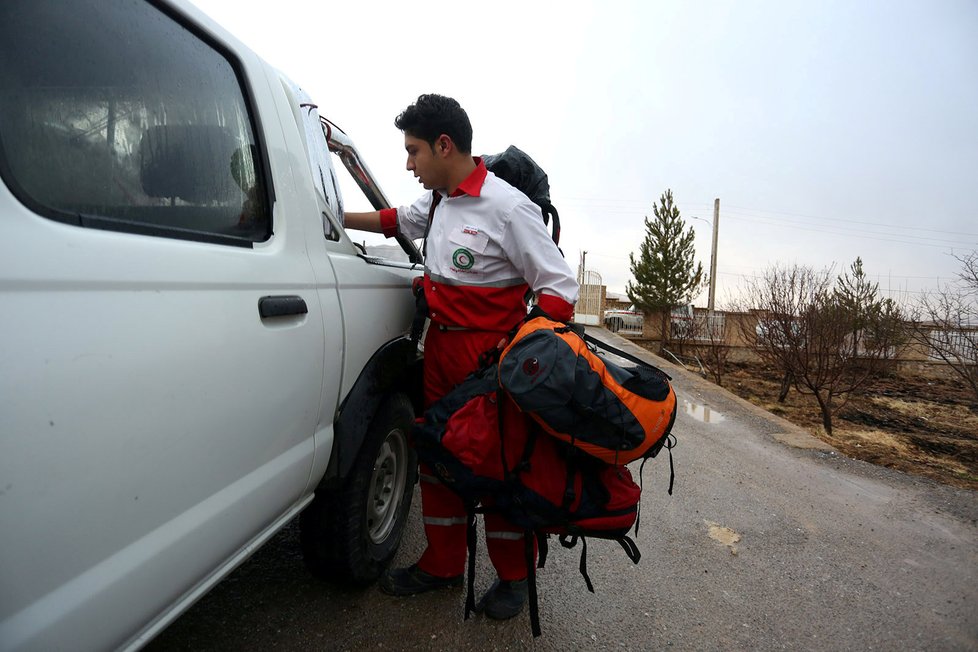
(542, 434)
(614, 413)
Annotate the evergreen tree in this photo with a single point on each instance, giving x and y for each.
(664, 273)
(873, 318)
(858, 296)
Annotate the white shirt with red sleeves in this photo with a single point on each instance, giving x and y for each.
(487, 244)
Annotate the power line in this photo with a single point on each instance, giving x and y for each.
(879, 277)
(849, 221)
(733, 211)
(857, 233)
(898, 238)
(740, 212)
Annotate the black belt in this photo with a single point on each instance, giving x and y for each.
(444, 329)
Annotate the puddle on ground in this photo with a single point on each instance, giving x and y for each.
(703, 413)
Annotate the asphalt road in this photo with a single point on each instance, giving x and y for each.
(771, 541)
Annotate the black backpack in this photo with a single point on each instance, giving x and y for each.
(515, 167)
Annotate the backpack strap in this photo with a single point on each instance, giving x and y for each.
(435, 200)
(668, 443)
(531, 582)
(536, 311)
(572, 471)
(621, 354)
(626, 542)
(569, 541)
(543, 547)
(583, 567)
(470, 539)
(630, 548)
(550, 213)
(523, 465)
(529, 536)
(421, 311)
(502, 437)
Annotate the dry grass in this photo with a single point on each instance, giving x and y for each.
(947, 416)
(919, 426)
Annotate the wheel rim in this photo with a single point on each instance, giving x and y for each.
(387, 486)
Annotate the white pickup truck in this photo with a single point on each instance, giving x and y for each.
(628, 319)
(192, 350)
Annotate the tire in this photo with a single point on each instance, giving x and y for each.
(351, 534)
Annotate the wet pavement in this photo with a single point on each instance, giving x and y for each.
(702, 413)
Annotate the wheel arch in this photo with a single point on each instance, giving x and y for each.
(395, 367)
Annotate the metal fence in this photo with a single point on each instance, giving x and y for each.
(588, 310)
(962, 344)
(698, 327)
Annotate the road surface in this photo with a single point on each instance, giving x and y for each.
(771, 541)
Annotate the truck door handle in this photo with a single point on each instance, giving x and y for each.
(281, 306)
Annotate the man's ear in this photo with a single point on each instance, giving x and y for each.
(444, 145)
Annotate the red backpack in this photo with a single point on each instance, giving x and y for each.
(481, 445)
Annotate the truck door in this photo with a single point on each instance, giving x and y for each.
(366, 301)
(162, 338)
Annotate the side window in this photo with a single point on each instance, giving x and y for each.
(320, 161)
(113, 115)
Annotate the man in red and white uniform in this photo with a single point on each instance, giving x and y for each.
(486, 246)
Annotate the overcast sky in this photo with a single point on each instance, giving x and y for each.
(828, 130)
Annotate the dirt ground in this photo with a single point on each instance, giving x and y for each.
(923, 426)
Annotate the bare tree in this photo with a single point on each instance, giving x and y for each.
(821, 345)
(710, 335)
(777, 299)
(946, 322)
(683, 329)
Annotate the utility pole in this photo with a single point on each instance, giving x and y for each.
(713, 255)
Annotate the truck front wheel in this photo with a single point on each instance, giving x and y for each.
(352, 533)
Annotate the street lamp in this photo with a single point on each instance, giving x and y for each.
(713, 253)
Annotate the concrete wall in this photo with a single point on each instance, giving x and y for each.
(914, 358)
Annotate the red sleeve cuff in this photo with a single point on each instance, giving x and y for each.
(556, 307)
(388, 222)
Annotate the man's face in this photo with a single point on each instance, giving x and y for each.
(423, 161)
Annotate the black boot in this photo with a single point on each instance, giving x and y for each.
(411, 580)
(503, 600)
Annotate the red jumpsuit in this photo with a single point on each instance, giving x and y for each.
(486, 246)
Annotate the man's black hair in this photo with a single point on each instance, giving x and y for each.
(433, 115)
